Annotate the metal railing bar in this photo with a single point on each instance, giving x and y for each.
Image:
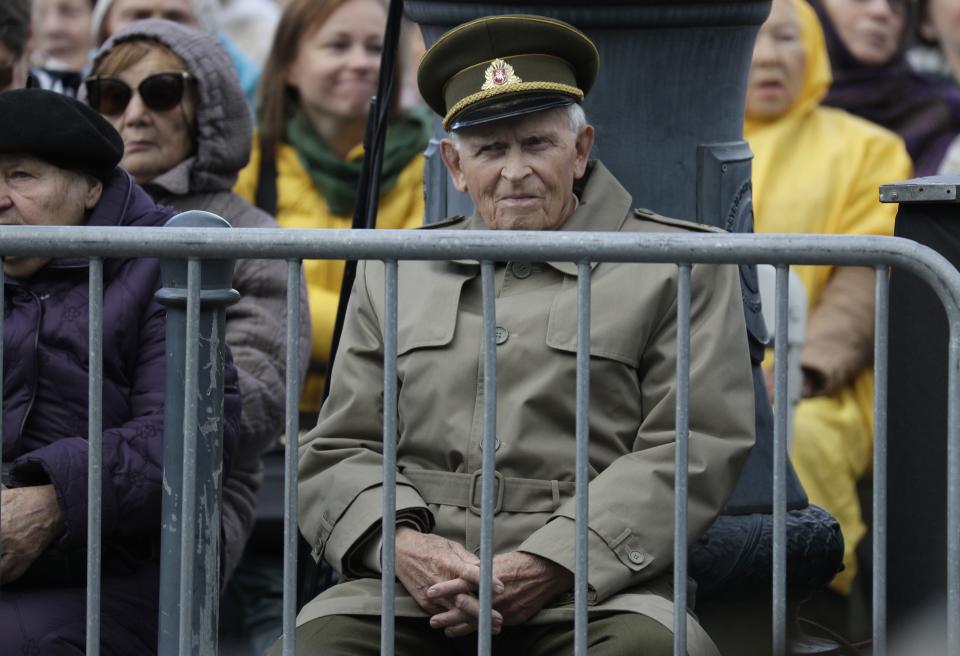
(188, 526)
(953, 492)
(389, 526)
(285, 243)
(681, 460)
(290, 492)
(582, 477)
(488, 457)
(94, 455)
(880, 362)
(780, 403)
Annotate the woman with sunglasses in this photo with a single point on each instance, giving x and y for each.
(173, 96)
(313, 102)
(867, 41)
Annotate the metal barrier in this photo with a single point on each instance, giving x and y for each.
(488, 247)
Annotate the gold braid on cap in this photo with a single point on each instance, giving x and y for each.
(508, 88)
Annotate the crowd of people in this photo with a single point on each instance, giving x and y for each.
(128, 111)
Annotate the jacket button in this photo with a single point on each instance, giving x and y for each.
(636, 557)
(501, 334)
(521, 269)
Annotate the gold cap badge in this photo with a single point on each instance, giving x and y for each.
(499, 73)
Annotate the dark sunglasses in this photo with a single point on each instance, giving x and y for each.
(160, 92)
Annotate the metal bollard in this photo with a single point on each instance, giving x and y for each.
(190, 554)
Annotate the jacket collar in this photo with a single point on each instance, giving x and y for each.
(603, 207)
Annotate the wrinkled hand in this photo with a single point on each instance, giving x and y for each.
(441, 576)
(530, 583)
(523, 584)
(30, 519)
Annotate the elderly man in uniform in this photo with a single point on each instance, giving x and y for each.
(509, 89)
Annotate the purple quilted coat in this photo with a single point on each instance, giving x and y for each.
(45, 364)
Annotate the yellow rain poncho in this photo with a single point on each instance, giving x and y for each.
(818, 170)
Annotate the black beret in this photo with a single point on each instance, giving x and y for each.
(501, 66)
(59, 130)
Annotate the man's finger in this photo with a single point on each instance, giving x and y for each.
(448, 618)
(450, 588)
(471, 574)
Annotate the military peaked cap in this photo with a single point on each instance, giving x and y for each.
(59, 130)
(502, 66)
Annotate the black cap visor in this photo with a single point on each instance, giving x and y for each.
(508, 106)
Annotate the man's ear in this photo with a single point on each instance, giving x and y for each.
(94, 191)
(451, 159)
(583, 144)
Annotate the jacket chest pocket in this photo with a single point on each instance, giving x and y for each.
(428, 320)
(616, 332)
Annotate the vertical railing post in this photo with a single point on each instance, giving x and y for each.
(94, 456)
(780, 401)
(195, 349)
(681, 462)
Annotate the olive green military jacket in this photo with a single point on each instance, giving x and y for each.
(440, 418)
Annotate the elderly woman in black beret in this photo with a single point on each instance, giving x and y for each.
(58, 166)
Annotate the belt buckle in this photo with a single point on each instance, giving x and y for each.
(475, 478)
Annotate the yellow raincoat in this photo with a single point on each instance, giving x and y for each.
(818, 170)
(300, 205)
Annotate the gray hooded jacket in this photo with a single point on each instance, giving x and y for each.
(256, 325)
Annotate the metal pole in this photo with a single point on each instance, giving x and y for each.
(780, 401)
(94, 455)
(880, 361)
(488, 459)
(290, 491)
(388, 557)
(681, 460)
(583, 459)
(195, 297)
(953, 493)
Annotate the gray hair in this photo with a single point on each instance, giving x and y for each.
(576, 118)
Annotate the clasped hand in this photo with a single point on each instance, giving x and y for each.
(443, 578)
(30, 519)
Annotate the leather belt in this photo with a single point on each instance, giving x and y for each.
(511, 494)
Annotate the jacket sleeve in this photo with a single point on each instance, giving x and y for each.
(631, 502)
(256, 333)
(839, 336)
(341, 460)
(132, 452)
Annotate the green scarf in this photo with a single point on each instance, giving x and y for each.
(336, 179)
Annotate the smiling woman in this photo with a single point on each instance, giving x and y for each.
(321, 72)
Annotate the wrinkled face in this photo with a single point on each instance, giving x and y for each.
(124, 12)
(153, 141)
(520, 172)
(13, 69)
(337, 64)
(35, 193)
(778, 66)
(62, 30)
(872, 30)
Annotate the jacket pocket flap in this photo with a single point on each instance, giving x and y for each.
(611, 337)
(428, 320)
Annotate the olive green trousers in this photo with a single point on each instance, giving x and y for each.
(622, 634)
